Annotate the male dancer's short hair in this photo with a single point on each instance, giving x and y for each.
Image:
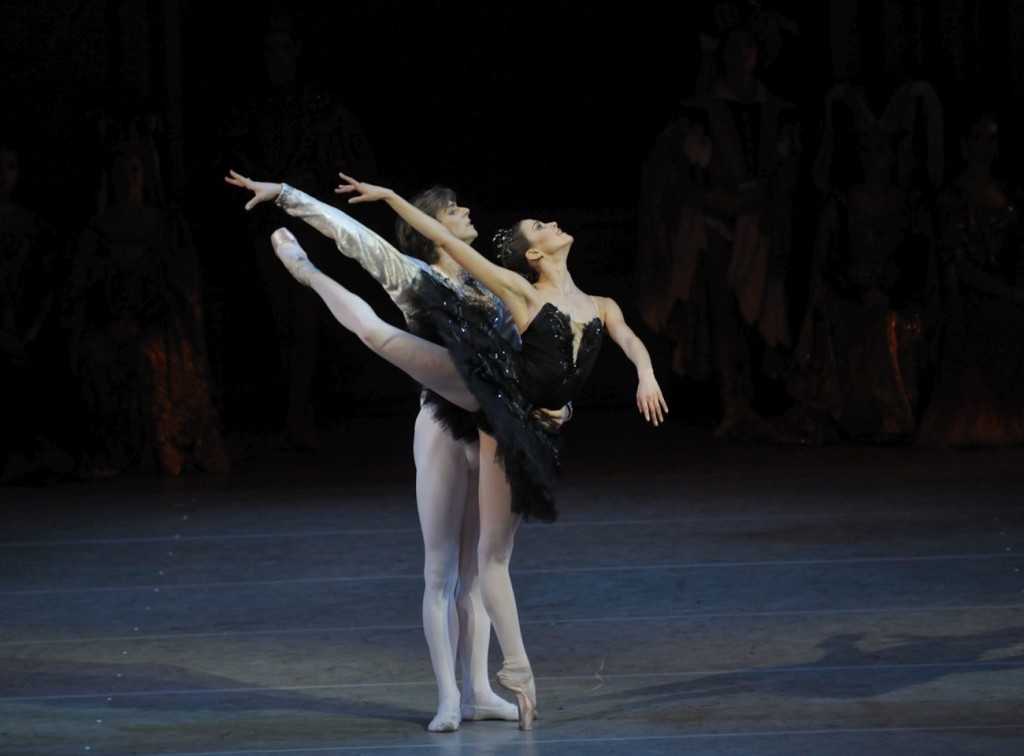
(410, 241)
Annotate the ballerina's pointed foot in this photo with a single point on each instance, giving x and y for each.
(519, 681)
(288, 251)
(447, 719)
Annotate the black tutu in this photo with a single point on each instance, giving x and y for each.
(512, 383)
(528, 451)
(460, 424)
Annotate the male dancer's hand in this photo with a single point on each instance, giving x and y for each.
(552, 420)
(262, 191)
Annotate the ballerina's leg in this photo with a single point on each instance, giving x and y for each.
(498, 524)
(425, 362)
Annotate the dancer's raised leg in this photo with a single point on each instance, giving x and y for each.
(427, 363)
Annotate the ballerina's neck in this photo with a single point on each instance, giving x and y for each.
(558, 282)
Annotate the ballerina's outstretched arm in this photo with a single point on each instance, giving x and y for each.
(650, 401)
(511, 288)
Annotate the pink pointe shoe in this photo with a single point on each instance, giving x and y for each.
(519, 681)
(288, 251)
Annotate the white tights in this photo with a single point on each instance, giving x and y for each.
(425, 362)
(454, 618)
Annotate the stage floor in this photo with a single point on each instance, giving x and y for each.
(695, 597)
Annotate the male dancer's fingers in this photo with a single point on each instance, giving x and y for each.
(237, 179)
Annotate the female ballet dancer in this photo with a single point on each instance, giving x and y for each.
(560, 328)
(445, 443)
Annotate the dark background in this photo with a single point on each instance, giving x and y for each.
(530, 104)
(540, 107)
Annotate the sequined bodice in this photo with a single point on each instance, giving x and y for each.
(553, 368)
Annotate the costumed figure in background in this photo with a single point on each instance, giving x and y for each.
(134, 316)
(866, 353)
(294, 127)
(978, 400)
(717, 218)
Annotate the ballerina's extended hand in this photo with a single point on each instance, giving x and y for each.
(364, 192)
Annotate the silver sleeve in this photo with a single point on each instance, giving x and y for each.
(389, 267)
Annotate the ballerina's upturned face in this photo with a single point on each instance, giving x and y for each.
(456, 219)
(546, 237)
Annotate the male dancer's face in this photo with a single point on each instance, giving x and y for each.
(456, 219)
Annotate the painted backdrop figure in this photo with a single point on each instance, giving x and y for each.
(134, 315)
(865, 357)
(35, 384)
(716, 228)
(294, 127)
(445, 445)
(979, 397)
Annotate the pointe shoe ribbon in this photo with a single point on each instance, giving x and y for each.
(294, 258)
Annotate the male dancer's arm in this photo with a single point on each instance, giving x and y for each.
(389, 267)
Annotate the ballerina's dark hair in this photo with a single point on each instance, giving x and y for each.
(431, 201)
(511, 247)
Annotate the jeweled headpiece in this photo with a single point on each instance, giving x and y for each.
(502, 241)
